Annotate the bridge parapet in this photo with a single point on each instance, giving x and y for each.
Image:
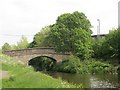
(27, 54)
(30, 51)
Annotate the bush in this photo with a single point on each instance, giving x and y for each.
(71, 65)
(75, 65)
(99, 67)
(108, 48)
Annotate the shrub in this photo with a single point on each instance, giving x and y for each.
(75, 65)
(99, 67)
(71, 65)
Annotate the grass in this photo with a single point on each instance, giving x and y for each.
(21, 76)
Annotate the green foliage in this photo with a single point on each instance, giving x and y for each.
(75, 65)
(118, 71)
(74, 20)
(0, 51)
(99, 67)
(108, 48)
(32, 44)
(113, 40)
(98, 48)
(5, 47)
(71, 65)
(21, 76)
(14, 47)
(42, 63)
(23, 43)
(71, 33)
(41, 38)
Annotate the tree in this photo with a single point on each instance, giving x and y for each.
(98, 47)
(41, 38)
(23, 43)
(14, 47)
(110, 47)
(32, 44)
(5, 47)
(72, 33)
(113, 42)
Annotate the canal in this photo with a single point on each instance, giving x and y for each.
(103, 80)
(89, 81)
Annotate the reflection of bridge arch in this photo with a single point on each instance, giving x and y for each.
(27, 54)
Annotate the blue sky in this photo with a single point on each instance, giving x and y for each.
(27, 17)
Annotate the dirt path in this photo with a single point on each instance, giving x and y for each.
(4, 74)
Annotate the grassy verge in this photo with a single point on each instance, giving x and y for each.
(21, 76)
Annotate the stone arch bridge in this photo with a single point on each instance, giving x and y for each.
(25, 55)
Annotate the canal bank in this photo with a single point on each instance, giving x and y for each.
(89, 80)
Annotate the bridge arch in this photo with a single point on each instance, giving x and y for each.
(41, 63)
(25, 55)
(52, 58)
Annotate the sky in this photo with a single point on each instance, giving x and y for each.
(27, 17)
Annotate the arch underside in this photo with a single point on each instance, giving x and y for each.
(42, 63)
(45, 57)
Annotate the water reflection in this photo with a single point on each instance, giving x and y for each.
(90, 81)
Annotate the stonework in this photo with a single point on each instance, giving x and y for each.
(25, 55)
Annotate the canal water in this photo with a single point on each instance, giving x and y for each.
(90, 81)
